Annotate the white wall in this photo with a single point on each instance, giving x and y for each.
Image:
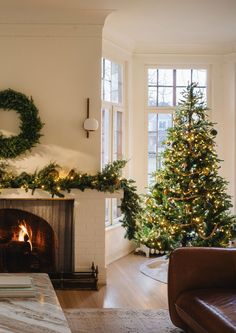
(116, 246)
(59, 66)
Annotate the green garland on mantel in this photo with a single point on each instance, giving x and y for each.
(108, 180)
(30, 124)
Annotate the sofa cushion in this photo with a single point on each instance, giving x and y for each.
(208, 310)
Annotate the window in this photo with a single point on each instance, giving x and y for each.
(111, 81)
(165, 85)
(165, 88)
(112, 126)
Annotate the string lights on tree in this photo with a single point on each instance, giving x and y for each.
(188, 205)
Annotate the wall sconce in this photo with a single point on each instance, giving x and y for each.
(90, 124)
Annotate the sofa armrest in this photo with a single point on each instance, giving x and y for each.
(199, 268)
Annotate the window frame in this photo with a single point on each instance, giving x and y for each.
(113, 108)
(168, 109)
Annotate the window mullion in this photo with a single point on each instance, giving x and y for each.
(157, 88)
(157, 141)
(174, 87)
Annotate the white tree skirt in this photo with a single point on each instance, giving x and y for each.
(156, 269)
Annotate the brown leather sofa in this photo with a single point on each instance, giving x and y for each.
(202, 289)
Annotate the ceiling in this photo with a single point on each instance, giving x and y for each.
(142, 22)
(175, 22)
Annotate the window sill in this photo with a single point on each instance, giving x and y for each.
(113, 226)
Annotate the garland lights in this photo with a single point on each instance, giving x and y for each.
(108, 180)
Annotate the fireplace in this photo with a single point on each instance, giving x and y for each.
(77, 221)
(36, 236)
(27, 242)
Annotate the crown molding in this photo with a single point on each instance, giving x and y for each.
(123, 47)
(50, 30)
(122, 42)
(144, 49)
(54, 17)
(141, 49)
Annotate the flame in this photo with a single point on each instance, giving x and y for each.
(25, 230)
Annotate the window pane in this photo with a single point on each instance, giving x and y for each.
(116, 211)
(107, 91)
(164, 122)
(165, 77)
(152, 76)
(152, 142)
(183, 77)
(152, 163)
(114, 83)
(102, 71)
(105, 137)
(151, 179)
(107, 212)
(111, 81)
(120, 92)
(165, 96)
(152, 122)
(152, 96)
(179, 95)
(203, 91)
(120, 84)
(158, 123)
(115, 96)
(117, 149)
(107, 70)
(116, 87)
(200, 76)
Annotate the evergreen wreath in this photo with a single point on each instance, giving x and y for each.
(30, 124)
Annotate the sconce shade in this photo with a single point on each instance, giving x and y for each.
(90, 124)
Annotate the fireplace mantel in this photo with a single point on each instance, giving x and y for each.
(20, 193)
(89, 223)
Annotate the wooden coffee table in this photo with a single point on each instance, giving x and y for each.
(41, 313)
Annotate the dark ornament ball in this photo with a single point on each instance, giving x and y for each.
(213, 132)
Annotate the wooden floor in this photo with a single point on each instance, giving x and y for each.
(126, 288)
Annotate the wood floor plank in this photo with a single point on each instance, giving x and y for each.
(126, 287)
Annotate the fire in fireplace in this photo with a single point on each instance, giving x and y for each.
(27, 242)
(24, 234)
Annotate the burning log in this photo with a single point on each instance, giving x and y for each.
(18, 256)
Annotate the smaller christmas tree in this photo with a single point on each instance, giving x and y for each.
(188, 205)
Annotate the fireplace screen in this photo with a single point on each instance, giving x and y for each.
(27, 242)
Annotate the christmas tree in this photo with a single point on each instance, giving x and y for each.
(188, 205)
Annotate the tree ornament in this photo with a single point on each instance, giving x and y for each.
(213, 132)
(30, 124)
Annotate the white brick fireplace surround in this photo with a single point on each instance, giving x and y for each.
(89, 224)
